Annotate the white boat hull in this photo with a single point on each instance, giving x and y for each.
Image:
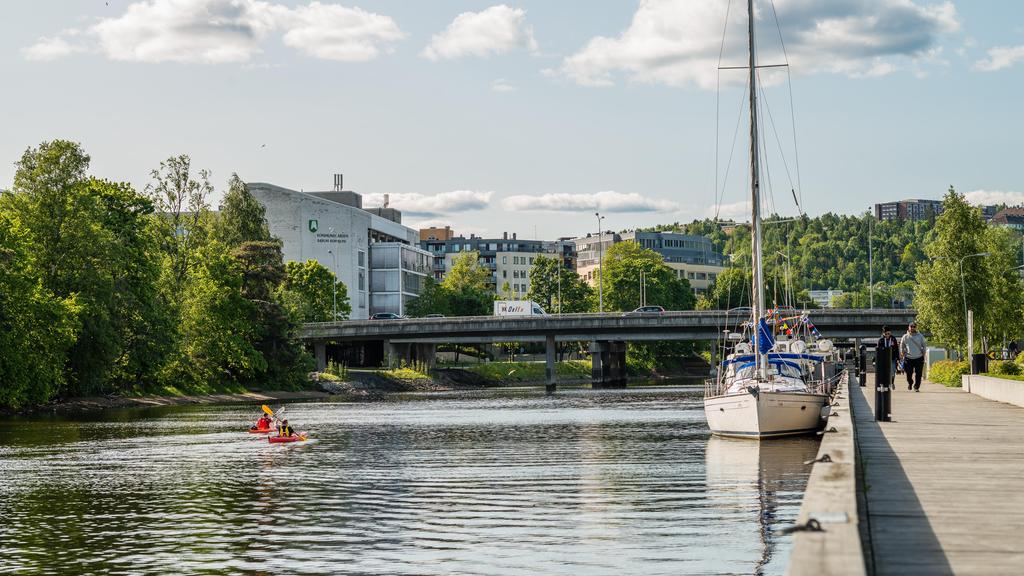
(766, 415)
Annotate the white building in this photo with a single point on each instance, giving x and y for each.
(369, 250)
(824, 298)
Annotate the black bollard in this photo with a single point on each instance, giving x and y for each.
(883, 383)
(862, 365)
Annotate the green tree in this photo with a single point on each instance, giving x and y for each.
(433, 299)
(37, 328)
(91, 239)
(468, 285)
(731, 289)
(183, 214)
(308, 291)
(623, 264)
(989, 285)
(557, 288)
(263, 272)
(242, 218)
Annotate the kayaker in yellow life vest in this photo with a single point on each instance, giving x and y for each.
(284, 429)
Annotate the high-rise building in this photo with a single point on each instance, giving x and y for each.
(369, 250)
(509, 259)
(914, 210)
(692, 257)
(445, 233)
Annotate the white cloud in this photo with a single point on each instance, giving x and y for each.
(208, 31)
(496, 30)
(1001, 57)
(425, 205)
(334, 32)
(990, 197)
(677, 42)
(732, 211)
(502, 85)
(47, 48)
(229, 31)
(608, 201)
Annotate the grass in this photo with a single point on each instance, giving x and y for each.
(403, 374)
(512, 372)
(1004, 376)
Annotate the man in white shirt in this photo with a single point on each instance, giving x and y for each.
(912, 349)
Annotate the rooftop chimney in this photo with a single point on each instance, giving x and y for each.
(513, 235)
(337, 182)
(504, 236)
(387, 200)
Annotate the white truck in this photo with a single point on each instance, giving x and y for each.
(517, 308)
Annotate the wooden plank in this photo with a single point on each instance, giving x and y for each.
(943, 483)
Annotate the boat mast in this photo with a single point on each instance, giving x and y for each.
(757, 294)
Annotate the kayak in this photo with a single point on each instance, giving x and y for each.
(264, 431)
(285, 439)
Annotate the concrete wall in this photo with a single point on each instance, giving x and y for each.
(999, 389)
(831, 498)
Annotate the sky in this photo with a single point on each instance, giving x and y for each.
(530, 116)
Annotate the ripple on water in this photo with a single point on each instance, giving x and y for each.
(502, 482)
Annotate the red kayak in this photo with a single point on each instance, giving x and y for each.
(262, 431)
(284, 439)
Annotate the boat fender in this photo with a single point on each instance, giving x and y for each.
(754, 391)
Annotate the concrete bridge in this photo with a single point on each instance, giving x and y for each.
(416, 338)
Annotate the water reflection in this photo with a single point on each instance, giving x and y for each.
(495, 482)
(763, 481)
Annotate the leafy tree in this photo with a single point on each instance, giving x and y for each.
(218, 334)
(557, 288)
(263, 271)
(622, 267)
(308, 291)
(468, 286)
(989, 285)
(91, 239)
(731, 289)
(467, 273)
(242, 218)
(183, 211)
(433, 299)
(37, 328)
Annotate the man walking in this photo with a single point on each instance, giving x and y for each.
(912, 348)
(888, 341)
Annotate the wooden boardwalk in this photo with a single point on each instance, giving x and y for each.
(943, 483)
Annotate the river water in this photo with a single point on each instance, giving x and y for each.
(504, 481)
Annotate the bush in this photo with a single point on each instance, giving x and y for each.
(948, 372)
(1004, 368)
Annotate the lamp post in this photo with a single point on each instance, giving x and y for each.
(871, 263)
(561, 263)
(789, 288)
(600, 264)
(963, 291)
(334, 283)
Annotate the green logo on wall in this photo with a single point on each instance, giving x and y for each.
(313, 225)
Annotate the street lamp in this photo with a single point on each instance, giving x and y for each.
(600, 264)
(871, 266)
(963, 291)
(789, 288)
(334, 283)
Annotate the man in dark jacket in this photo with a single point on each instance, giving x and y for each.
(888, 341)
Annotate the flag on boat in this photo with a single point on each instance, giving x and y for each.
(766, 340)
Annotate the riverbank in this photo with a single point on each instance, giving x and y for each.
(93, 403)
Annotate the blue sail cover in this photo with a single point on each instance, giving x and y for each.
(767, 340)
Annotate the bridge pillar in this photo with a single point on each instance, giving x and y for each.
(397, 354)
(549, 358)
(320, 351)
(425, 354)
(608, 364)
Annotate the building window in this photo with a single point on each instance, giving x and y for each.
(362, 280)
(504, 273)
(504, 259)
(531, 261)
(362, 259)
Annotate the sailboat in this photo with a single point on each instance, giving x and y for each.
(766, 388)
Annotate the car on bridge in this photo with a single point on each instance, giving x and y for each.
(386, 316)
(646, 311)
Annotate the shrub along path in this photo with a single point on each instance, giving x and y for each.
(943, 482)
